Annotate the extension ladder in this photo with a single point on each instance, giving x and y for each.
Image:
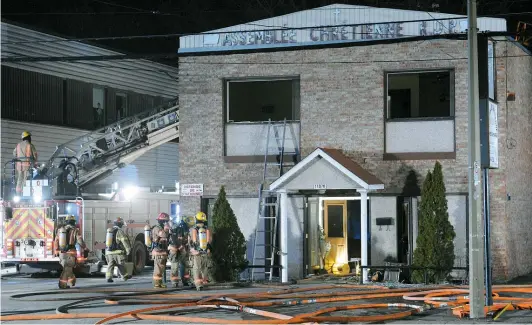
(97, 154)
(269, 202)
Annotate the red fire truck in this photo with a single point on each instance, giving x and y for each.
(55, 190)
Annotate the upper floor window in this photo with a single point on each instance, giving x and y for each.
(254, 100)
(420, 94)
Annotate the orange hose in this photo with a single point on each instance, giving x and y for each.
(462, 308)
(438, 297)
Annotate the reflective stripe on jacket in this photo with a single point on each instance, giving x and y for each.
(26, 152)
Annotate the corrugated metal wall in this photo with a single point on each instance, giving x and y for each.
(158, 167)
(141, 76)
(35, 97)
(31, 96)
(80, 112)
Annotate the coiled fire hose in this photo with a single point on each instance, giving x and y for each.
(170, 300)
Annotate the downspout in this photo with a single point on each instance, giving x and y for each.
(305, 236)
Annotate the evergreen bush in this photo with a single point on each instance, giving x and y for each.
(435, 239)
(228, 244)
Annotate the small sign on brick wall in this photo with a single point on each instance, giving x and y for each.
(493, 130)
(191, 190)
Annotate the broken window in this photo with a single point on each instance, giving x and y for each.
(420, 94)
(260, 100)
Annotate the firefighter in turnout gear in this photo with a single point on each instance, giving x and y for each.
(66, 240)
(200, 249)
(27, 154)
(159, 236)
(117, 248)
(178, 248)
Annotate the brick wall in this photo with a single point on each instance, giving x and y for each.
(518, 148)
(341, 106)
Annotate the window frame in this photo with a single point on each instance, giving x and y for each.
(296, 86)
(493, 81)
(452, 94)
(96, 89)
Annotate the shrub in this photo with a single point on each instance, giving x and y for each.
(229, 244)
(435, 240)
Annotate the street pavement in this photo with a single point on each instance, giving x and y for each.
(18, 284)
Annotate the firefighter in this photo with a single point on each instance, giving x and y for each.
(27, 154)
(178, 248)
(117, 249)
(66, 240)
(160, 250)
(200, 249)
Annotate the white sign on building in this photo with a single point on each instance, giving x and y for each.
(333, 24)
(493, 134)
(191, 190)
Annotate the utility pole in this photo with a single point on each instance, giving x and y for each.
(476, 247)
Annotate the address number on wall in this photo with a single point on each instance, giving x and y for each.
(320, 186)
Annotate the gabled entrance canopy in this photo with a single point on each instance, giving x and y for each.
(327, 168)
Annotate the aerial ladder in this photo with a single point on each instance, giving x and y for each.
(97, 154)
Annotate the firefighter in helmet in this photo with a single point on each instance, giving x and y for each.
(26, 153)
(200, 249)
(117, 248)
(68, 244)
(159, 236)
(178, 257)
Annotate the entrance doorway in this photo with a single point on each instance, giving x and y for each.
(405, 231)
(342, 229)
(335, 228)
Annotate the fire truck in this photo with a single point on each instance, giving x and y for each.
(57, 188)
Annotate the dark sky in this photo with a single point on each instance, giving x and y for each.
(102, 18)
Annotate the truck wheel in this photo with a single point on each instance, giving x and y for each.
(138, 254)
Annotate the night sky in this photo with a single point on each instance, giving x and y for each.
(104, 18)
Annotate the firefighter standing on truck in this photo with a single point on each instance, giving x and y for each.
(68, 244)
(117, 249)
(27, 154)
(178, 248)
(159, 239)
(200, 249)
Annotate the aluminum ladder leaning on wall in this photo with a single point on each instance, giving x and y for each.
(269, 202)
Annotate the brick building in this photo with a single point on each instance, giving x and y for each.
(373, 97)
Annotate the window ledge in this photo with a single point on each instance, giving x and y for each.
(261, 122)
(419, 155)
(420, 119)
(254, 159)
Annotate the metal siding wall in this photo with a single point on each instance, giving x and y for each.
(141, 76)
(157, 167)
(110, 105)
(148, 170)
(31, 96)
(80, 112)
(35, 97)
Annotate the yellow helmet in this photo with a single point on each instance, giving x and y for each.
(25, 134)
(201, 217)
(190, 221)
(70, 217)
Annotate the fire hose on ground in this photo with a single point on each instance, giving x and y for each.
(166, 302)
